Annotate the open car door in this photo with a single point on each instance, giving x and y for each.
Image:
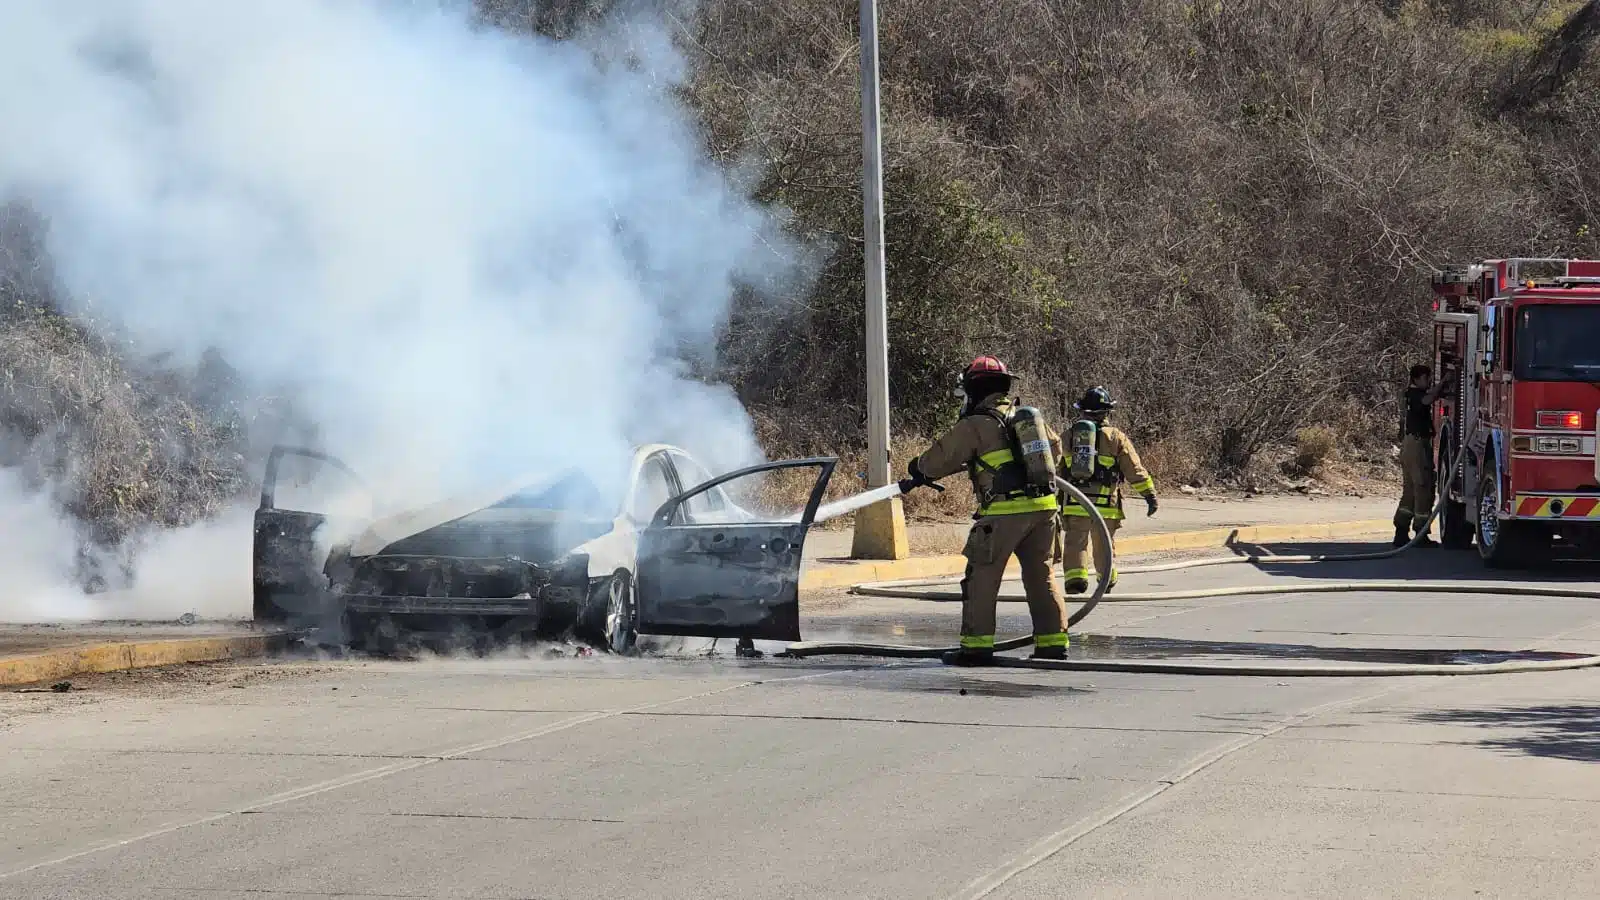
(287, 557)
(722, 559)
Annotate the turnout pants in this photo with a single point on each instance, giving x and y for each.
(990, 545)
(1416, 495)
(1077, 542)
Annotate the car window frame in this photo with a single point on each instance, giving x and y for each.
(685, 513)
(673, 488)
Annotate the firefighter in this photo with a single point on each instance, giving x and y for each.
(1416, 457)
(1115, 461)
(1012, 520)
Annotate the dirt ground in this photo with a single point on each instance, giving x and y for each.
(20, 640)
(160, 683)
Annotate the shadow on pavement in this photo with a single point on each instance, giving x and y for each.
(1568, 731)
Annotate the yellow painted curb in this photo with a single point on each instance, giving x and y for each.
(120, 655)
(849, 574)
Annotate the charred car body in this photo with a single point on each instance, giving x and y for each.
(672, 555)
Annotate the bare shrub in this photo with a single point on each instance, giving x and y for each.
(1313, 446)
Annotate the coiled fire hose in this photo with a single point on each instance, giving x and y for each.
(939, 590)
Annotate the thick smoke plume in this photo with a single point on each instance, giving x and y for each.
(466, 253)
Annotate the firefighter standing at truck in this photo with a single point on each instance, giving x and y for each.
(1416, 457)
(1100, 459)
(1017, 507)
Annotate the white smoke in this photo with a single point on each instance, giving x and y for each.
(37, 556)
(467, 253)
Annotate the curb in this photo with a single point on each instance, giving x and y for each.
(849, 574)
(120, 655)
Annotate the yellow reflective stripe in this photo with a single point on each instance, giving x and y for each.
(1108, 462)
(1059, 639)
(977, 642)
(1073, 509)
(996, 458)
(1020, 505)
(1076, 573)
(1146, 487)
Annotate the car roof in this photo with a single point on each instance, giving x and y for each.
(645, 450)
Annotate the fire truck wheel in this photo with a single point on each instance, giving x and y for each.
(1502, 543)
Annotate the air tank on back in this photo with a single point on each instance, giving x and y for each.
(1038, 460)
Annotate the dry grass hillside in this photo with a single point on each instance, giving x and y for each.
(1224, 211)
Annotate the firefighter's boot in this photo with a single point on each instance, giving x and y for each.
(1077, 585)
(1401, 536)
(1049, 653)
(1424, 539)
(969, 657)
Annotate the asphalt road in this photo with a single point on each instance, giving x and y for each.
(679, 776)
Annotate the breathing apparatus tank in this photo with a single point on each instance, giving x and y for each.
(1033, 446)
(1085, 441)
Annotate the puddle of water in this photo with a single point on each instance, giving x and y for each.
(1011, 689)
(1117, 646)
(1084, 647)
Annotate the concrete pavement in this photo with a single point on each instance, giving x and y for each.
(677, 776)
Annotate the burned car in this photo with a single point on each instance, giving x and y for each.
(678, 552)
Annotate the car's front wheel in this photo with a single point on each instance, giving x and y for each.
(614, 616)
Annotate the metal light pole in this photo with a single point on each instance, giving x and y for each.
(880, 531)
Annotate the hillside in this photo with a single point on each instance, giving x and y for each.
(1225, 212)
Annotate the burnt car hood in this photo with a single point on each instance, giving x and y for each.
(388, 529)
(466, 524)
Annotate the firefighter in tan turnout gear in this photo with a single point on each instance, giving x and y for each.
(1100, 458)
(1010, 454)
(1416, 456)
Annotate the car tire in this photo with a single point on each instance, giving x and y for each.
(618, 614)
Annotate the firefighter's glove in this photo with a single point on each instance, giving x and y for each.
(917, 479)
(907, 485)
(1150, 505)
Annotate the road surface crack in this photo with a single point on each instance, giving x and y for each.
(796, 717)
(506, 817)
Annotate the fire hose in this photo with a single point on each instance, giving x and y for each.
(937, 590)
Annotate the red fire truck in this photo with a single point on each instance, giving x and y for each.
(1523, 337)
